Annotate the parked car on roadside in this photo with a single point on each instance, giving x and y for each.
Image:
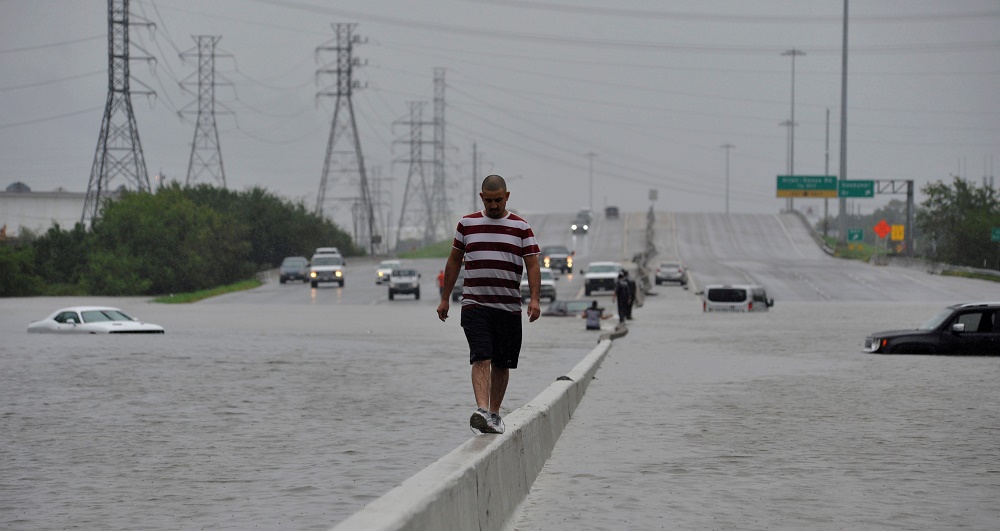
(547, 289)
(404, 281)
(735, 298)
(92, 320)
(671, 272)
(293, 268)
(326, 268)
(384, 270)
(967, 329)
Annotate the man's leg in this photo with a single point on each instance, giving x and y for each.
(498, 388)
(481, 383)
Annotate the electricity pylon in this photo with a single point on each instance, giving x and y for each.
(119, 153)
(441, 212)
(344, 124)
(206, 154)
(418, 200)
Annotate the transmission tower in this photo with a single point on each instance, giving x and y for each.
(119, 153)
(418, 200)
(441, 213)
(206, 155)
(344, 124)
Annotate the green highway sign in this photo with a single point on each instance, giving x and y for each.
(856, 189)
(855, 235)
(995, 234)
(807, 186)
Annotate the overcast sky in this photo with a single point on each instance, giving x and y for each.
(653, 88)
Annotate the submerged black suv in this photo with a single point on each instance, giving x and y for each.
(971, 329)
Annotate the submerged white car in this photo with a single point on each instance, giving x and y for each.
(92, 320)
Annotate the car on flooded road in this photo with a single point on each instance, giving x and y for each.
(294, 268)
(971, 329)
(384, 270)
(92, 320)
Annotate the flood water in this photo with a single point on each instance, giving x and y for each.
(254, 415)
(776, 421)
(242, 415)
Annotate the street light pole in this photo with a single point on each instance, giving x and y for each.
(591, 156)
(727, 147)
(791, 164)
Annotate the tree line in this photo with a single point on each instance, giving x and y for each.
(175, 240)
(953, 223)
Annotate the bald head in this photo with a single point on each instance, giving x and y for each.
(494, 183)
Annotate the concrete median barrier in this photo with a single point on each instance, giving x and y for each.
(481, 484)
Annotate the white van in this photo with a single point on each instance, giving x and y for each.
(735, 298)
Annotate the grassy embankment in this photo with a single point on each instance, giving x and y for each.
(195, 296)
(439, 249)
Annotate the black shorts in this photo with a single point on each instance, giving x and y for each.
(493, 335)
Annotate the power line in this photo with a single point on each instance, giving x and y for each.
(53, 44)
(901, 49)
(728, 17)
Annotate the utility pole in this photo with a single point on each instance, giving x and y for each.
(843, 130)
(119, 152)
(788, 157)
(206, 153)
(475, 176)
(791, 157)
(727, 147)
(343, 124)
(590, 155)
(826, 171)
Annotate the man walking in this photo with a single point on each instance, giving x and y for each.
(496, 246)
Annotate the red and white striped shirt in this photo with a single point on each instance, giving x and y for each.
(494, 259)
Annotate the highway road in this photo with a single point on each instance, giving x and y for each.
(774, 250)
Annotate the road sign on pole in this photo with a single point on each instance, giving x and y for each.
(995, 234)
(897, 233)
(855, 235)
(882, 228)
(856, 189)
(807, 186)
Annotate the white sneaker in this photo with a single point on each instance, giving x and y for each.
(480, 420)
(496, 423)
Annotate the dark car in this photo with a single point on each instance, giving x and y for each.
(611, 212)
(567, 308)
(557, 258)
(969, 329)
(456, 292)
(294, 268)
(580, 225)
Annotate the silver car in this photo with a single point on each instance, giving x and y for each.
(671, 272)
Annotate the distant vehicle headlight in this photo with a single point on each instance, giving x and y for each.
(569, 261)
(546, 260)
(312, 274)
(585, 227)
(573, 226)
(339, 273)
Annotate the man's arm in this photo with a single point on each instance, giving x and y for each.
(451, 269)
(535, 285)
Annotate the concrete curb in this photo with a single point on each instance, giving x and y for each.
(481, 484)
